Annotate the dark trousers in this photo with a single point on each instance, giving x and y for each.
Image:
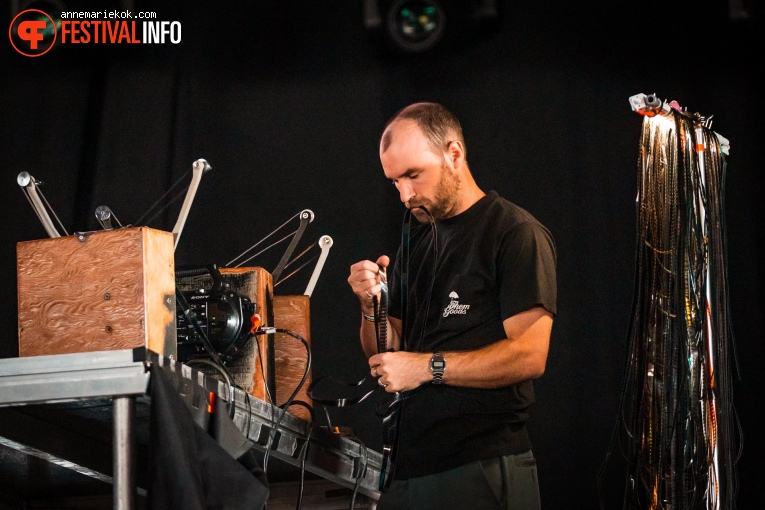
(501, 483)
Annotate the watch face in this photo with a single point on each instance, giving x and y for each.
(437, 365)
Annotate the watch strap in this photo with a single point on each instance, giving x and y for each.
(437, 367)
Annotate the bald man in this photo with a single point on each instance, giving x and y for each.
(479, 314)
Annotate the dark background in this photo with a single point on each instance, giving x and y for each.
(287, 99)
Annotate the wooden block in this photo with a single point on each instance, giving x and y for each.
(292, 312)
(98, 291)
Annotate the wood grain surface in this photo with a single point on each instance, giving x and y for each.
(100, 291)
(292, 312)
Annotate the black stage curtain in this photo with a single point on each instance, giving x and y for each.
(286, 100)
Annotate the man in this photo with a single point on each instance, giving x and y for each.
(479, 313)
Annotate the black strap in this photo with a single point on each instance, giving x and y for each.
(381, 333)
(391, 404)
(381, 314)
(405, 238)
(392, 412)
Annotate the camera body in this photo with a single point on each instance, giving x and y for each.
(211, 315)
(225, 317)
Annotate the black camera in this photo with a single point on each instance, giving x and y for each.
(213, 317)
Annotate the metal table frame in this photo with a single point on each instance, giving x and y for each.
(123, 376)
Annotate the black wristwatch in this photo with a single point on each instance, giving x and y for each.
(437, 366)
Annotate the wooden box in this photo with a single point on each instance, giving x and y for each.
(97, 291)
(292, 312)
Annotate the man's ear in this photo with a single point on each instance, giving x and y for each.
(455, 154)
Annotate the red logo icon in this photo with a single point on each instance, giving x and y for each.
(32, 33)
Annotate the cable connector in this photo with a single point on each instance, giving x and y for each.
(265, 330)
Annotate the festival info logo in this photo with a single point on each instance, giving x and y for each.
(454, 306)
(32, 33)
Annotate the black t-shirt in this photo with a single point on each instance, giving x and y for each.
(494, 260)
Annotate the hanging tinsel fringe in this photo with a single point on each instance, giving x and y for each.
(677, 416)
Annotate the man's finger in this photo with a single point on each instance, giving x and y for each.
(383, 261)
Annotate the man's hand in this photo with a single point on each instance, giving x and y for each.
(365, 280)
(401, 371)
(365, 283)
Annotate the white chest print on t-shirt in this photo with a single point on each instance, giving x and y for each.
(454, 306)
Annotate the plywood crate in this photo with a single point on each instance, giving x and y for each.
(98, 291)
(292, 312)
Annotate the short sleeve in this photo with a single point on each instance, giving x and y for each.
(527, 269)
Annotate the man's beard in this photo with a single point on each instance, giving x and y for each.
(445, 201)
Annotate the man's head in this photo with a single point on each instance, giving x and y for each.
(422, 151)
(437, 123)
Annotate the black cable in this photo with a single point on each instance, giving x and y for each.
(271, 398)
(226, 376)
(249, 412)
(304, 449)
(406, 272)
(343, 401)
(392, 408)
(192, 317)
(286, 405)
(362, 471)
(346, 401)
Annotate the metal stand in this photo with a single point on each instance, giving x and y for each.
(123, 450)
(62, 388)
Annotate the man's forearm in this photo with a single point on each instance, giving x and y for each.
(369, 336)
(519, 357)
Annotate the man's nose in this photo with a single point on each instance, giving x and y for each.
(405, 191)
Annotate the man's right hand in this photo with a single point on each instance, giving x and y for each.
(365, 282)
(365, 279)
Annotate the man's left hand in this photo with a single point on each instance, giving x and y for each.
(401, 371)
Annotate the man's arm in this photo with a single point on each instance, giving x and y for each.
(369, 337)
(365, 283)
(519, 357)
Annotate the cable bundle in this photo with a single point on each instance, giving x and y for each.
(677, 416)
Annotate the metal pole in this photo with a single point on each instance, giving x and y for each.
(123, 454)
